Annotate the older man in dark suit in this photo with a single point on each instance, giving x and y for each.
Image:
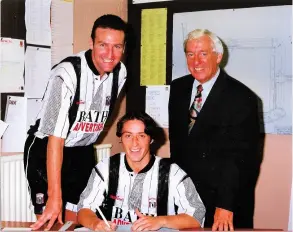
(214, 132)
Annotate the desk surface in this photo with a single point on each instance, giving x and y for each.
(57, 226)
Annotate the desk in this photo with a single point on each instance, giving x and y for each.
(57, 226)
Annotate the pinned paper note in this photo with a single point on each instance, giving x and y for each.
(14, 138)
(11, 65)
(157, 98)
(37, 22)
(153, 47)
(37, 71)
(16, 229)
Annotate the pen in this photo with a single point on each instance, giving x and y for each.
(102, 215)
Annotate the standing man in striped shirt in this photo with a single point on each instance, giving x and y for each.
(80, 95)
(139, 188)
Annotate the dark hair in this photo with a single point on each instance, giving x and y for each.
(151, 126)
(109, 21)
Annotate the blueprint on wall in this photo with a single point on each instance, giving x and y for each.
(259, 47)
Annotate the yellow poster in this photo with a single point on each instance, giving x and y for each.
(153, 47)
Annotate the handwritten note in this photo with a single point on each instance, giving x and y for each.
(153, 47)
(157, 98)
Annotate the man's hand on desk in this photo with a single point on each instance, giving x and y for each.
(223, 220)
(146, 223)
(52, 211)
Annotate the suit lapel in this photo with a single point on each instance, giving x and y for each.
(209, 104)
(186, 98)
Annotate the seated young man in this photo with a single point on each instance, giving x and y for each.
(139, 188)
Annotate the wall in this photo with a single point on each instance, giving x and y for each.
(274, 183)
(85, 13)
(272, 194)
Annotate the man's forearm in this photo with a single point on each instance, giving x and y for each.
(180, 221)
(87, 218)
(54, 166)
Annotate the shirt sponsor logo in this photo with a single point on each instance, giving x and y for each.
(123, 216)
(88, 127)
(90, 121)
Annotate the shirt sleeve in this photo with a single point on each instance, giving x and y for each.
(57, 101)
(186, 198)
(93, 194)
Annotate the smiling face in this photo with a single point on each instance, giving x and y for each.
(107, 49)
(202, 60)
(136, 144)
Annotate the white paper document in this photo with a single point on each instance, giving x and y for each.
(16, 229)
(33, 108)
(123, 228)
(3, 127)
(11, 65)
(37, 71)
(37, 22)
(157, 98)
(15, 135)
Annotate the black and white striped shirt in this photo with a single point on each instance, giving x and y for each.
(140, 191)
(93, 107)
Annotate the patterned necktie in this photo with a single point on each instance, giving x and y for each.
(195, 107)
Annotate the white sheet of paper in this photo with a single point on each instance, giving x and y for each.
(62, 30)
(15, 135)
(82, 229)
(33, 108)
(16, 229)
(3, 127)
(11, 65)
(37, 22)
(124, 228)
(37, 71)
(157, 98)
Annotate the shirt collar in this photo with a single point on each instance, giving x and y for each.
(89, 60)
(145, 169)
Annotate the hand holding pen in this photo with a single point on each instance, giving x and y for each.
(104, 225)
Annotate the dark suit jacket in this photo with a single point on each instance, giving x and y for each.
(220, 151)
